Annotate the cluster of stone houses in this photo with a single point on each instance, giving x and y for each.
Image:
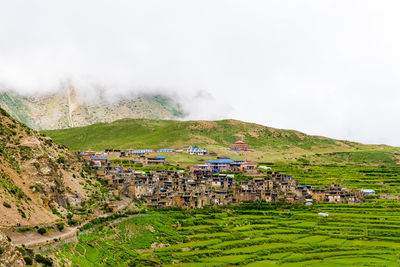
(199, 187)
(221, 165)
(192, 150)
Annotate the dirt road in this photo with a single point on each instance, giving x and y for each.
(33, 239)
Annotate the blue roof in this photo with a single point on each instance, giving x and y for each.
(140, 151)
(166, 150)
(226, 161)
(159, 157)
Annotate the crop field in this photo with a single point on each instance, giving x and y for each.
(384, 179)
(253, 234)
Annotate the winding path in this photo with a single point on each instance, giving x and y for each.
(33, 239)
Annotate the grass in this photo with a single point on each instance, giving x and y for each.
(268, 143)
(384, 179)
(364, 235)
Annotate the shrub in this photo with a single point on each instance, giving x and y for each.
(42, 259)
(5, 204)
(61, 159)
(28, 260)
(72, 222)
(42, 231)
(23, 215)
(1, 251)
(60, 226)
(4, 113)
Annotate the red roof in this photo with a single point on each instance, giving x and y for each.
(239, 142)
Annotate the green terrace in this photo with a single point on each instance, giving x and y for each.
(383, 179)
(252, 234)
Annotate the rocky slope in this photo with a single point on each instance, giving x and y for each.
(67, 108)
(9, 255)
(38, 178)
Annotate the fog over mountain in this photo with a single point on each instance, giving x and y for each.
(323, 67)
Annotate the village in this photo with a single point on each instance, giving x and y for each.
(211, 183)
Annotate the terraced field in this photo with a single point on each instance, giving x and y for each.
(384, 179)
(257, 234)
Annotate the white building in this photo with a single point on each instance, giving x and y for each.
(195, 150)
(368, 192)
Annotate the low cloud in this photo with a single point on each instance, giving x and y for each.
(323, 67)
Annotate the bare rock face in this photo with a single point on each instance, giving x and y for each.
(9, 255)
(37, 176)
(67, 108)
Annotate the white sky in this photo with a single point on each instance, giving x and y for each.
(330, 68)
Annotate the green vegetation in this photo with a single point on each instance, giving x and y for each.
(253, 234)
(28, 260)
(60, 226)
(268, 143)
(383, 179)
(42, 231)
(105, 243)
(155, 133)
(44, 260)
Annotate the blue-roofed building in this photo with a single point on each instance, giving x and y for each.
(221, 164)
(158, 160)
(142, 151)
(166, 150)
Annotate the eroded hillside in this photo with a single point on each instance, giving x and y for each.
(67, 108)
(38, 178)
(9, 255)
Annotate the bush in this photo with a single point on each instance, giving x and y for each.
(4, 113)
(5, 204)
(28, 260)
(72, 222)
(23, 215)
(60, 226)
(41, 259)
(61, 159)
(1, 251)
(42, 231)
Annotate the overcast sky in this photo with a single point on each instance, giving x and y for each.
(329, 68)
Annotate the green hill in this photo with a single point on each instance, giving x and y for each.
(268, 143)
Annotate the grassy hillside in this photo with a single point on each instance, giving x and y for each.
(269, 143)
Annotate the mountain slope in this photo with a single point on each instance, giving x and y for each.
(9, 255)
(275, 144)
(67, 108)
(37, 176)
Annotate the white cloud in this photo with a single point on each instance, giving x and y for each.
(323, 67)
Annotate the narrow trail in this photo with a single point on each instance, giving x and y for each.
(33, 239)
